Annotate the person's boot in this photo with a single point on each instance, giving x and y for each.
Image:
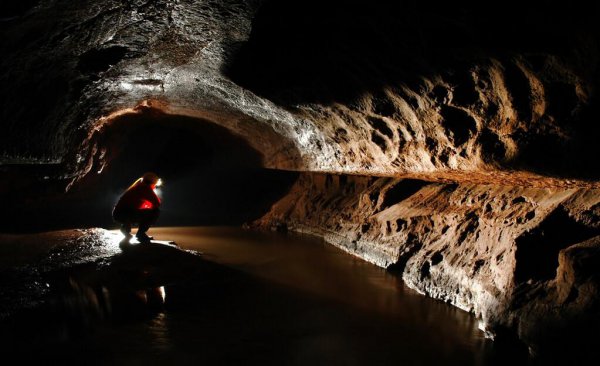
(126, 230)
(143, 237)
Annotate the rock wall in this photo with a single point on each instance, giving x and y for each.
(444, 90)
(519, 258)
(315, 86)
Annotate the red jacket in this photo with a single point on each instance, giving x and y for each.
(140, 196)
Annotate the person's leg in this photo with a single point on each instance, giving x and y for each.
(146, 219)
(126, 229)
(125, 220)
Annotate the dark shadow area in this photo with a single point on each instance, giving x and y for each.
(401, 191)
(575, 342)
(11, 9)
(210, 177)
(99, 60)
(333, 51)
(577, 156)
(537, 249)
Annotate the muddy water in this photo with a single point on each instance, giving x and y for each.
(267, 298)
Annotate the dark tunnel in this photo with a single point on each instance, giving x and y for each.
(211, 177)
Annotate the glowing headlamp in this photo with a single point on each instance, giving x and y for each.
(159, 183)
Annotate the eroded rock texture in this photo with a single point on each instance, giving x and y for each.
(375, 89)
(493, 114)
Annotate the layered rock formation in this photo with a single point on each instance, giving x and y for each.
(491, 114)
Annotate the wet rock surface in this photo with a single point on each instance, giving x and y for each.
(88, 261)
(80, 282)
(28, 259)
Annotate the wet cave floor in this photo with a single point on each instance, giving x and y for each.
(225, 296)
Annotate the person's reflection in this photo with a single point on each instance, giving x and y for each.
(127, 304)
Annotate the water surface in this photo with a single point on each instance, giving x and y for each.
(272, 298)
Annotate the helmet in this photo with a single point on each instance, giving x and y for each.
(150, 178)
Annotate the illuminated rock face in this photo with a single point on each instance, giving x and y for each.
(517, 257)
(500, 121)
(322, 88)
(72, 68)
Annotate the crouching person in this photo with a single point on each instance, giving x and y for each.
(138, 205)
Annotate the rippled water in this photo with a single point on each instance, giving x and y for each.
(271, 299)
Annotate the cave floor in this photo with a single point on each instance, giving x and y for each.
(225, 296)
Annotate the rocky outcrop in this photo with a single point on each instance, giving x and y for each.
(518, 258)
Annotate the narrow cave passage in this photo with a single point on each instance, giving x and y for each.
(211, 176)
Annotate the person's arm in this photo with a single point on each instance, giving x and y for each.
(153, 198)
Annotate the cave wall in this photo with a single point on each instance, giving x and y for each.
(408, 87)
(71, 68)
(438, 92)
(519, 258)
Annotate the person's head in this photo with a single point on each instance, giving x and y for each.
(150, 178)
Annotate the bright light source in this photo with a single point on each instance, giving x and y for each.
(159, 183)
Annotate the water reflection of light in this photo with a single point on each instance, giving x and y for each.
(159, 332)
(163, 294)
(152, 296)
(142, 296)
(106, 299)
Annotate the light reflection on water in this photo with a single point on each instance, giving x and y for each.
(310, 265)
(306, 264)
(270, 299)
(158, 328)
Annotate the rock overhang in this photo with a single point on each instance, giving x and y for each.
(483, 116)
